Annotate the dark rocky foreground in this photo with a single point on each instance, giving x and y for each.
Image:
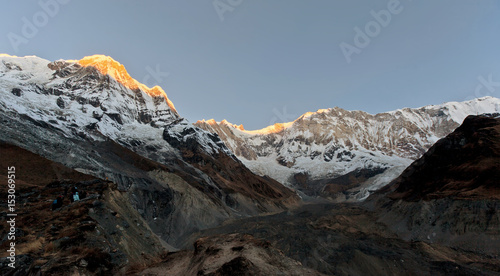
(348, 239)
(102, 234)
(232, 254)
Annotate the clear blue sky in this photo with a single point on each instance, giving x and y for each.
(271, 61)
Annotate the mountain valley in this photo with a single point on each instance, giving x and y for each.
(411, 191)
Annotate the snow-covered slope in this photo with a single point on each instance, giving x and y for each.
(92, 116)
(334, 151)
(67, 94)
(95, 93)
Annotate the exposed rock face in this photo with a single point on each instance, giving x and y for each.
(450, 195)
(90, 115)
(332, 143)
(234, 254)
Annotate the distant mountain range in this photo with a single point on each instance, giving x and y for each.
(345, 154)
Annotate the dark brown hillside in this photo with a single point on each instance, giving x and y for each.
(230, 175)
(233, 176)
(463, 165)
(99, 235)
(451, 195)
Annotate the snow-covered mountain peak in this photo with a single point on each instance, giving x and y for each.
(319, 111)
(276, 128)
(32, 69)
(456, 111)
(7, 56)
(108, 66)
(93, 93)
(14, 67)
(96, 97)
(223, 122)
(240, 127)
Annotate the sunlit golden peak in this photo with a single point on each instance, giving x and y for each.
(240, 127)
(278, 127)
(108, 66)
(210, 122)
(307, 114)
